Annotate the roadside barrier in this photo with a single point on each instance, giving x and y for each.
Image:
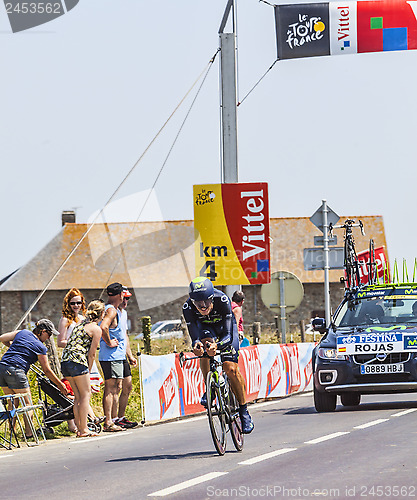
(270, 370)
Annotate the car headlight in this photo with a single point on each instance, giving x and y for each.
(328, 353)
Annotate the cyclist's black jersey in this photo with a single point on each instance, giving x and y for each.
(221, 321)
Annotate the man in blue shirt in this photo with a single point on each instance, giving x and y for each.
(212, 325)
(112, 354)
(120, 418)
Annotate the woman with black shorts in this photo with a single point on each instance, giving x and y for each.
(77, 360)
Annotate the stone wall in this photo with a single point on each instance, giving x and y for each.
(14, 304)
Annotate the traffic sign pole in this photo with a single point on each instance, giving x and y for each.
(281, 278)
(326, 263)
(321, 219)
(282, 296)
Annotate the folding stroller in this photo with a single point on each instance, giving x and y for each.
(63, 407)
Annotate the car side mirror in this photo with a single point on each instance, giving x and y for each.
(319, 325)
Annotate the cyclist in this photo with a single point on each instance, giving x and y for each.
(212, 326)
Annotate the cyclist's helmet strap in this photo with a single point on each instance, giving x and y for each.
(201, 289)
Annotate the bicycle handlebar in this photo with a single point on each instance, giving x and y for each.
(349, 223)
(183, 359)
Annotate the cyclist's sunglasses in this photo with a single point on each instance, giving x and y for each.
(202, 304)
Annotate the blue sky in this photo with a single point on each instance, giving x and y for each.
(83, 96)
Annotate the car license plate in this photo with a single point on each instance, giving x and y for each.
(371, 369)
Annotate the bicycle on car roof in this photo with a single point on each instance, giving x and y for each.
(351, 263)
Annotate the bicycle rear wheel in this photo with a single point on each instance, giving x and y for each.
(235, 424)
(351, 265)
(372, 268)
(216, 414)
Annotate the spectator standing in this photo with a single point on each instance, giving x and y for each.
(112, 354)
(119, 417)
(237, 303)
(73, 313)
(25, 348)
(77, 361)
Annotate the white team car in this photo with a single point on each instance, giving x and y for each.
(164, 330)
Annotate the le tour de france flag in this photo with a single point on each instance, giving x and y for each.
(231, 222)
(322, 29)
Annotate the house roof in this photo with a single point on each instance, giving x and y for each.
(161, 254)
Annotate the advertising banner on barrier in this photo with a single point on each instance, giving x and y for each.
(231, 222)
(269, 370)
(336, 28)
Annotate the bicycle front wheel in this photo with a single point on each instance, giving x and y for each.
(235, 424)
(216, 414)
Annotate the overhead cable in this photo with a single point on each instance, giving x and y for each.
(258, 82)
(161, 169)
(30, 309)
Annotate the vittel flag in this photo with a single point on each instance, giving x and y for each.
(338, 28)
(231, 222)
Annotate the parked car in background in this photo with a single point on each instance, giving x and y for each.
(165, 329)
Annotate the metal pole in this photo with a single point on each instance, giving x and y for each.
(282, 307)
(326, 262)
(229, 111)
(142, 397)
(229, 105)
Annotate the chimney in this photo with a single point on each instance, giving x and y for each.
(67, 216)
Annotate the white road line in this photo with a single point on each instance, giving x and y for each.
(325, 438)
(370, 424)
(272, 454)
(203, 417)
(401, 413)
(187, 484)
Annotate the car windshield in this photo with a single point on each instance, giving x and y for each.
(156, 325)
(377, 310)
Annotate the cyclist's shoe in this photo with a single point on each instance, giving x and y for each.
(203, 400)
(246, 419)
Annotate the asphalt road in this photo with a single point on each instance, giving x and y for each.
(294, 452)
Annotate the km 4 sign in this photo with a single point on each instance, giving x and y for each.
(232, 233)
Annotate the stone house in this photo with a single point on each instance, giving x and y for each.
(156, 261)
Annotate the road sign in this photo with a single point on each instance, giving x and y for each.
(314, 258)
(293, 292)
(319, 241)
(317, 217)
(321, 258)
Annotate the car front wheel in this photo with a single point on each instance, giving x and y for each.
(324, 402)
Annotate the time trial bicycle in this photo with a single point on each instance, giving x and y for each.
(351, 262)
(222, 406)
